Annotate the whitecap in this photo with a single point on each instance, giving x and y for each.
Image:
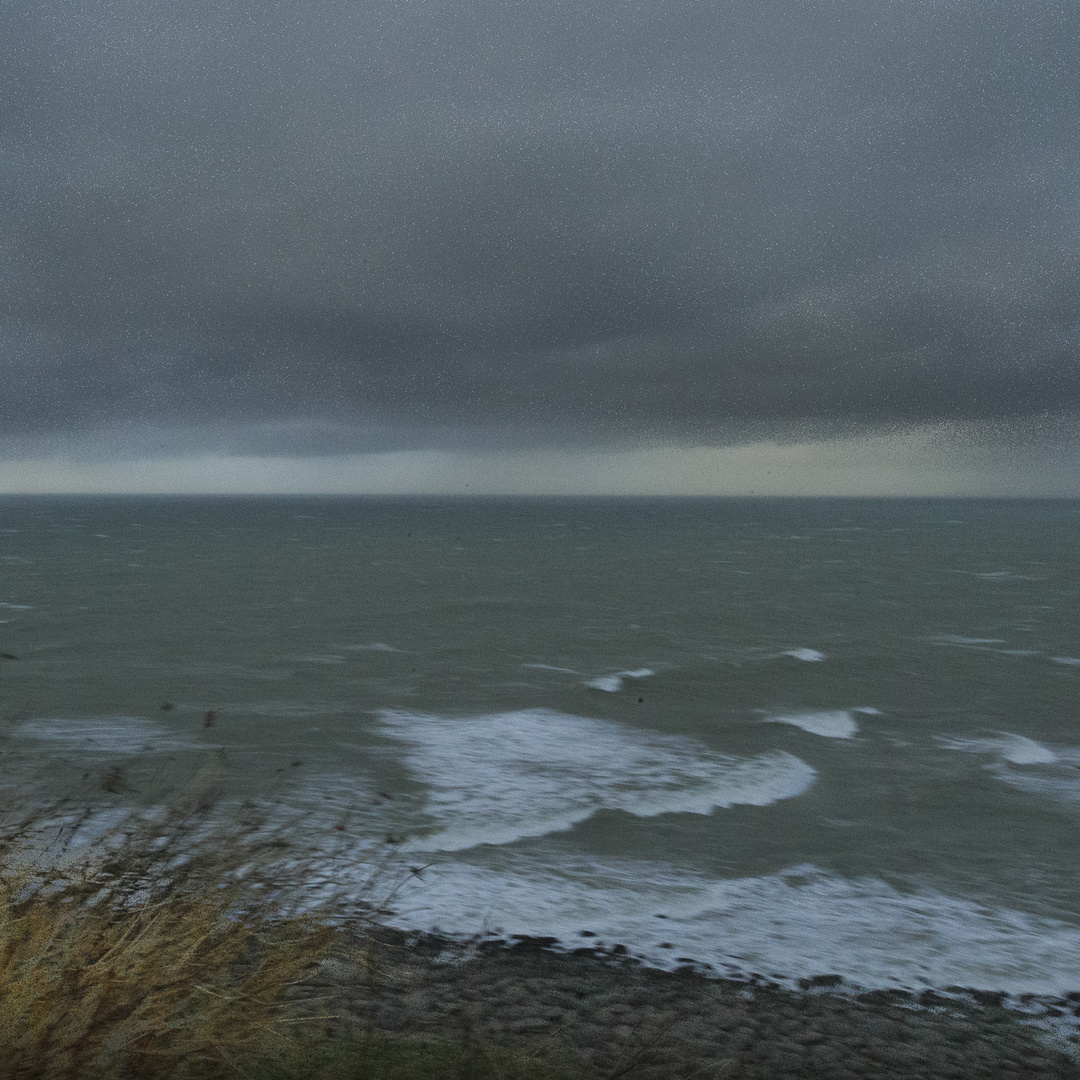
(830, 724)
(1073, 661)
(499, 778)
(552, 667)
(375, 646)
(613, 683)
(1058, 780)
(809, 655)
(1017, 749)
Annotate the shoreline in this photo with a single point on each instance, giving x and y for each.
(600, 1009)
(606, 1011)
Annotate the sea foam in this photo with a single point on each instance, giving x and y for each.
(500, 778)
(613, 683)
(830, 724)
(1058, 781)
(801, 921)
(809, 655)
(1017, 749)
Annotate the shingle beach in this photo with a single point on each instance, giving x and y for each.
(609, 1014)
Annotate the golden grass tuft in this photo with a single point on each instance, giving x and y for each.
(146, 950)
(134, 961)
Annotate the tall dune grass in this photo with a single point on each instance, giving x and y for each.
(139, 953)
(143, 947)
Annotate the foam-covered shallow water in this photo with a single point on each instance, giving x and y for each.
(784, 737)
(797, 923)
(502, 778)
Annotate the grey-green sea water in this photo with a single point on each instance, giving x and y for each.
(782, 736)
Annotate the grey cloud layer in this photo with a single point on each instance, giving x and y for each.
(664, 220)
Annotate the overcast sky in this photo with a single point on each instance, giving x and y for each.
(566, 245)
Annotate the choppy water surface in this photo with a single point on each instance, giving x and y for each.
(781, 736)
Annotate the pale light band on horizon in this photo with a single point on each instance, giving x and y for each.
(921, 462)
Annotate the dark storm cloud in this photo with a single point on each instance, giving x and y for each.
(325, 225)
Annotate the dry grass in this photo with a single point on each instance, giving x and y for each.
(130, 957)
(146, 950)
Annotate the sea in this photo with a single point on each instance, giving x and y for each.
(771, 737)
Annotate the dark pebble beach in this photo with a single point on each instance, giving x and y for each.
(609, 1015)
